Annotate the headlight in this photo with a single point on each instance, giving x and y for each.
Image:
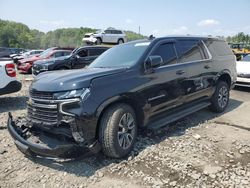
(79, 93)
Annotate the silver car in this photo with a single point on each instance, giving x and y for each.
(107, 36)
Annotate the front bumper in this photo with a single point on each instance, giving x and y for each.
(39, 143)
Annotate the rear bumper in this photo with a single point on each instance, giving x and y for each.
(48, 145)
(12, 87)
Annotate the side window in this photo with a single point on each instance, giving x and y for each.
(107, 31)
(119, 32)
(167, 53)
(82, 53)
(66, 53)
(96, 52)
(189, 50)
(58, 54)
(218, 48)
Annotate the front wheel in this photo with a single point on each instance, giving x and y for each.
(220, 97)
(118, 131)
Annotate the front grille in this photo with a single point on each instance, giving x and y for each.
(41, 95)
(43, 113)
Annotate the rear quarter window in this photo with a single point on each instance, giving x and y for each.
(190, 50)
(218, 48)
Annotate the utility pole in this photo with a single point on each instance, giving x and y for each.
(139, 30)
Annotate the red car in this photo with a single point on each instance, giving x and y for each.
(25, 65)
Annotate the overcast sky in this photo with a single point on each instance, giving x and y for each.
(158, 17)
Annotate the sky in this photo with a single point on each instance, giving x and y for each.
(157, 17)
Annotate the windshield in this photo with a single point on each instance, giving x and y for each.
(45, 53)
(124, 55)
(246, 58)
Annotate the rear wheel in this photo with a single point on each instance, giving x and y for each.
(118, 131)
(220, 98)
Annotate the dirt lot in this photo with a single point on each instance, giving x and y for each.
(202, 150)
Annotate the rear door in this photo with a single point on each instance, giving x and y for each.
(164, 89)
(197, 58)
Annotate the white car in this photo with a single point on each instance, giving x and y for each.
(243, 72)
(8, 83)
(108, 36)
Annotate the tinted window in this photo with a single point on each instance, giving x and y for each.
(82, 53)
(108, 31)
(58, 54)
(67, 53)
(189, 50)
(96, 52)
(167, 53)
(218, 48)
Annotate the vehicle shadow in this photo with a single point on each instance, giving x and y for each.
(8, 104)
(88, 166)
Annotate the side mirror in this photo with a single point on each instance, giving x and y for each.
(153, 62)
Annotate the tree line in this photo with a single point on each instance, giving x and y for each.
(239, 38)
(18, 35)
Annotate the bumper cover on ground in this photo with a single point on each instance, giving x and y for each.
(51, 148)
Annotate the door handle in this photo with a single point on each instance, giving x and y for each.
(180, 72)
(206, 66)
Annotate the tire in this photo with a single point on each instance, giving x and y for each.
(117, 137)
(98, 41)
(120, 41)
(220, 98)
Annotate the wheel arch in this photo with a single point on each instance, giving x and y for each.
(132, 102)
(225, 76)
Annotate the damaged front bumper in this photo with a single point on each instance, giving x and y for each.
(39, 143)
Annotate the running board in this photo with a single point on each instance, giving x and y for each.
(176, 116)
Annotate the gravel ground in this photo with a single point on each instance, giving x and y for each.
(202, 150)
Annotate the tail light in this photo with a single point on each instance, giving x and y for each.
(10, 69)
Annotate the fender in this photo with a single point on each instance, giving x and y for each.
(134, 101)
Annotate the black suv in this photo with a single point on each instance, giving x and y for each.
(79, 58)
(146, 83)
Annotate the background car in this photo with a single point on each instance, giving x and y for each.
(25, 65)
(243, 71)
(9, 83)
(26, 55)
(5, 52)
(79, 58)
(108, 36)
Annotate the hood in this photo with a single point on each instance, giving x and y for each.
(243, 67)
(51, 60)
(66, 80)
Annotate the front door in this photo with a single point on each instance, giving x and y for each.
(164, 89)
(82, 59)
